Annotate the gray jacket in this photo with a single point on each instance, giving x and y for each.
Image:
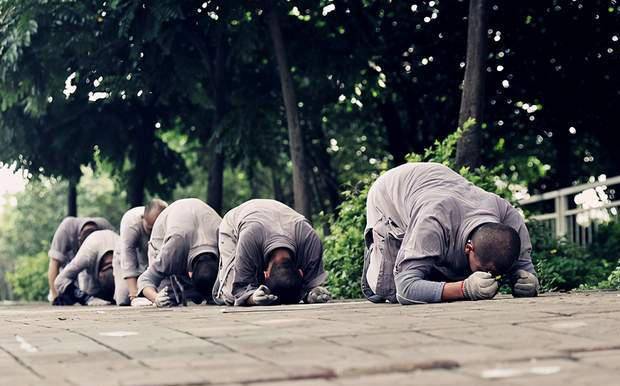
(133, 244)
(248, 235)
(184, 230)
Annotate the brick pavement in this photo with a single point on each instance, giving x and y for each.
(554, 339)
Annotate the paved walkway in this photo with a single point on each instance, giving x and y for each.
(553, 340)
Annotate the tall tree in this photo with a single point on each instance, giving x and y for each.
(472, 100)
(301, 186)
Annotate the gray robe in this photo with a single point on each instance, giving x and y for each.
(247, 236)
(65, 243)
(184, 230)
(419, 217)
(86, 265)
(133, 244)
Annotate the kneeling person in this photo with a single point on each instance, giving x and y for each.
(433, 236)
(136, 226)
(68, 238)
(269, 254)
(96, 271)
(183, 255)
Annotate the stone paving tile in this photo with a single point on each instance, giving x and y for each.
(548, 372)
(608, 359)
(334, 344)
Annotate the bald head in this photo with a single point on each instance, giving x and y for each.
(106, 277)
(152, 210)
(88, 228)
(496, 247)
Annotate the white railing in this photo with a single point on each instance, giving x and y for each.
(562, 221)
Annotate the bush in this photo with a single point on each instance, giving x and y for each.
(562, 265)
(29, 279)
(613, 281)
(606, 245)
(344, 247)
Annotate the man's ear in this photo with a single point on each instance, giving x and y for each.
(468, 247)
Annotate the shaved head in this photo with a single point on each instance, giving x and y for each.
(496, 246)
(152, 210)
(88, 228)
(106, 277)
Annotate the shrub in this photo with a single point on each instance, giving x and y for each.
(613, 281)
(29, 278)
(344, 247)
(606, 245)
(562, 265)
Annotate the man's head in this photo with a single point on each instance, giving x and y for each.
(106, 277)
(493, 248)
(283, 278)
(88, 228)
(151, 212)
(204, 274)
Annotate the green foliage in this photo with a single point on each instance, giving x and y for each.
(344, 247)
(562, 265)
(29, 279)
(606, 244)
(613, 281)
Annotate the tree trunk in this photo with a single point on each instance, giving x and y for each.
(301, 188)
(215, 188)
(328, 179)
(142, 154)
(72, 197)
(278, 191)
(398, 144)
(472, 101)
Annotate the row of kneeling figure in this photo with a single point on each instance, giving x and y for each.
(431, 236)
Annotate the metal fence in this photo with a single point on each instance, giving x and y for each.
(559, 213)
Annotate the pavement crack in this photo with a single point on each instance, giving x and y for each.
(592, 349)
(361, 349)
(22, 363)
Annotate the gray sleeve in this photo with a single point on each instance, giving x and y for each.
(172, 259)
(150, 278)
(62, 243)
(130, 242)
(312, 255)
(423, 239)
(247, 266)
(121, 291)
(423, 245)
(412, 288)
(70, 273)
(513, 219)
